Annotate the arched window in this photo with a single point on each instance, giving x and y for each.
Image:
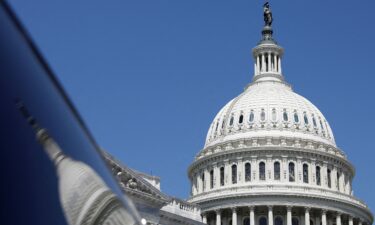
(296, 118)
(337, 181)
(263, 115)
(223, 123)
(278, 221)
(222, 176)
(285, 115)
(246, 221)
(291, 172)
(305, 119)
(231, 121)
(251, 117)
(217, 125)
(234, 174)
(274, 115)
(321, 124)
(305, 173)
(318, 179)
(262, 171)
(295, 221)
(203, 182)
(314, 121)
(211, 179)
(329, 178)
(247, 172)
(263, 221)
(240, 120)
(276, 170)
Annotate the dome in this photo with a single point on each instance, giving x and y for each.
(269, 109)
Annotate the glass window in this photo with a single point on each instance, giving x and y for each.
(305, 119)
(246, 221)
(314, 121)
(231, 121)
(211, 179)
(247, 172)
(337, 181)
(305, 173)
(217, 125)
(318, 179)
(274, 115)
(234, 174)
(222, 176)
(251, 117)
(262, 171)
(262, 115)
(276, 170)
(285, 116)
(203, 183)
(291, 172)
(240, 120)
(263, 221)
(295, 221)
(278, 221)
(329, 178)
(296, 118)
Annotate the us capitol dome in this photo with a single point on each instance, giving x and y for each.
(270, 157)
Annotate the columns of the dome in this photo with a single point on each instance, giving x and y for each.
(204, 218)
(234, 216)
(270, 215)
(269, 62)
(258, 65)
(218, 217)
(289, 215)
(275, 63)
(279, 63)
(350, 220)
(338, 219)
(324, 217)
(307, 216)
(252, 215)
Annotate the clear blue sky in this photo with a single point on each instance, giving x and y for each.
(149, 76)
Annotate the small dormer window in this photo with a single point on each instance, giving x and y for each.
(240, 120)
(296, 118)
(251, 117)
(305, 119)
(321, 124)
(285, 115)
(274, 115)
(231, 121)
(217, 125)
(314, 121)
(262, 115)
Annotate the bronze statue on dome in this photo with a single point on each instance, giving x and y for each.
(267, 14)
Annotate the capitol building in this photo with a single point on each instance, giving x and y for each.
(270, 158)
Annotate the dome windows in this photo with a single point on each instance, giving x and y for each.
(276, 170)
(251, 117)
(211, 179)
(234, 174)
(305, 119)
(318, 179)
(262, 171)
(240, 120)
(314, 121)
(285, 116)
(247, 172)
(231, 121)
(291, 172)
(262, 115)
(221, 176)
(305, 173)
(329, 183)
(296, 118)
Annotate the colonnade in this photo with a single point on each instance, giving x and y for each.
(267, 62)
(285, 215)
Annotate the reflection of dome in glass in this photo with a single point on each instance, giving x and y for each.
(84, 196)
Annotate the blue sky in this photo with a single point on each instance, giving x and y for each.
(149, 76)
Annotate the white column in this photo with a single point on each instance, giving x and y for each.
(279, 64)
(234, 216)
(338, 219)
(204, 218)
(298, 171)
(324, 217)
(350, 220)
(312, 177)
(263, 63)
(269, 62)
(307, 216)
(289, 215)
(218, 217)
(334, 181)
(360, 222)
(270, 215)
(324, 178)
(284, 169)
(274, 63)
(252, 215)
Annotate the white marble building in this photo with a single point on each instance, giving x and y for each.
(270, 158)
